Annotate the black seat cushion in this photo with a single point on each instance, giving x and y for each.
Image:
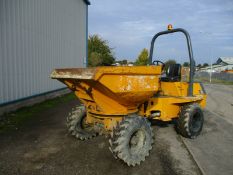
(173, 73)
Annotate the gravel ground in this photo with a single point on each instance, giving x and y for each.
(213, 149)
(44, 147)
(220, 101)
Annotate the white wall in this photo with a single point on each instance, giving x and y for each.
(37, 36)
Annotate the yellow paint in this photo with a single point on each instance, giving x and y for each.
(110, 93)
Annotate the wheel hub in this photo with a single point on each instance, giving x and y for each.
(137, 141)
(196, 122)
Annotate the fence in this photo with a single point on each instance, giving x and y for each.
(217, 76)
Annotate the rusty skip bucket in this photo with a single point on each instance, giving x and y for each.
(111, 90)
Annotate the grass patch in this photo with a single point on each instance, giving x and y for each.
(13, 120)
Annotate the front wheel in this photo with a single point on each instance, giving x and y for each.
(131, 140)
(190, 121)
(77, 126)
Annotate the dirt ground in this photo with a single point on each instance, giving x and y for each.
(43, 146)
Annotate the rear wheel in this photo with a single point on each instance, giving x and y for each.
(131, 140)
(190, 121)
(77, 126)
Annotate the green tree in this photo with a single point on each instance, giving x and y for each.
(143, 58)
(99, 53)
(205, 64)
(199, 65)
(95, 59)
(186, 64)
(169, 62)
(122, 62)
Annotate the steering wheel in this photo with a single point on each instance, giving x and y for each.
(157, 63)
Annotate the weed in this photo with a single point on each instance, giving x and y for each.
(13, 120)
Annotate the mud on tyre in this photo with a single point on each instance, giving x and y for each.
(190, 121)
(76, 124)
(131, 140)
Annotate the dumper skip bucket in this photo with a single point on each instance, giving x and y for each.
(111, 90)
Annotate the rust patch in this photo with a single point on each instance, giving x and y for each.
(74, 73)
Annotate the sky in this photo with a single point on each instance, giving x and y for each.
(129, 26)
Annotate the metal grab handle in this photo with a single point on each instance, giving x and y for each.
(192, 61)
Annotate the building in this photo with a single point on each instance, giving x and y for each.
(37, 36)
(225, 61)
(223, 64)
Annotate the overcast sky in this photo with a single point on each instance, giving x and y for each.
(129, 25)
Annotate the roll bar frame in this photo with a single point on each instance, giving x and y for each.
(191, 59)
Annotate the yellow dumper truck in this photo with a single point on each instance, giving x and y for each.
(122, 101)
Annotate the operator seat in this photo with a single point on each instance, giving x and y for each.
(173, 73)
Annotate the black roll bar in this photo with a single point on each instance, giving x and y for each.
(192, 61)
